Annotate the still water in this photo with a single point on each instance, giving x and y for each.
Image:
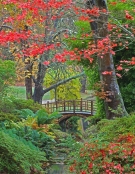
(58, 169)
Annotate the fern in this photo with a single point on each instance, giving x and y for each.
(24, 113)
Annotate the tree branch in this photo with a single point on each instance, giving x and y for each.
(5, 26)
(62, 82)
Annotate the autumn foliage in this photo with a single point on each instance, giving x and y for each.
(27, 21)
(117, 156)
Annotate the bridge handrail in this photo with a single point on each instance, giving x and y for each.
(71, 105)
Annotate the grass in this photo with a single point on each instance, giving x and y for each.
(19, 92)
(87, 95)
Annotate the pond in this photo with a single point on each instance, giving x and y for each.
(57, 169)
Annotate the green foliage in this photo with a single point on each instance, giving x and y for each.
(107, 130)
(72, 124)
(7, 74)
(45, 118)
(18, 155)
(127, 82)
(100, 109)
(69, 90)
(37, 138)
(8, 116)
(41, 116)
(6, 105)
(93, 79)
(69, 142)
(24, 113)
(10, 104)
(23, 104)
(80, 41)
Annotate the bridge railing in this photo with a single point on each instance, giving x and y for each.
(71, 106)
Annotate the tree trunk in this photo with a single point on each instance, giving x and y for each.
(38, 90)
(113, 99)
(28, 68)
(28, 78)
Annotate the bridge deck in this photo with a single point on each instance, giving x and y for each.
(71, 112)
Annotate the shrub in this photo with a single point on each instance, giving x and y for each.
(6, 105)
(39, 139)
(29, 104)
(9, 104)
(117, 157)
(107, 130)
(114, 128)
(8, 116)
(18, 155)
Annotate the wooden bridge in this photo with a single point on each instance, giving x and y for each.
(68, 108)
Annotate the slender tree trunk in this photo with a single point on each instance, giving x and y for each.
(28, 79)
(83, 82)
(28, 68)
(113, 99)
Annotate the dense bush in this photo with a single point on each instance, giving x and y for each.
(23, 104)
(39, 139)
(18, 155)
(108, 148)
(9, 104)
(6, 105)
(7, 75)
(107, 130)
(117, 157)
(8, 116)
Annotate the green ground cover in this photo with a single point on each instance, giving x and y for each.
(19, 92)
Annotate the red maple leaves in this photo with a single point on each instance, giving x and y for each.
(33, 12)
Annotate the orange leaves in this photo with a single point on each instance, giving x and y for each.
(107, 73)
(128, 16)
(13, 36)
(119, 68)
(93, 12)
(46, 63)
(109, 158)
(113, 3)
(132, 61)
(36, 49)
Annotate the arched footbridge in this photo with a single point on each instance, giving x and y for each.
(68, 108)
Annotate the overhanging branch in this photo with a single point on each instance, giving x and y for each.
(62, 82)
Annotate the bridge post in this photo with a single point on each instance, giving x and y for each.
(91, 107)
(74, 106)
(56, 103)
(81, 105)
(48, 106)
(64, 105)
